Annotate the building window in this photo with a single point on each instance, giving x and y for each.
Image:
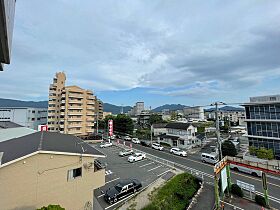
(32, 119)
(182, 142)
(74, 173)
(33, 111)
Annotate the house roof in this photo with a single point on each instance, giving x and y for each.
(178, 125)
(11, 133)
(159, 125)
(8, 124)
(168, 136)
(45, 142)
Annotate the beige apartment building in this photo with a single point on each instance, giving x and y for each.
(53, 169)
(72, 110)
(99, 109)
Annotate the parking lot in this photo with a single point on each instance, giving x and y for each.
(146, 171)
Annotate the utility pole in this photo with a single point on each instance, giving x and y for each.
(151, 134)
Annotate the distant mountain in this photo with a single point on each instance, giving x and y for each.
(227, 108)
(171, 107)
(115, 109)
(17, 103)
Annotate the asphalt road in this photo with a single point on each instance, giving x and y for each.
(146, 171)
(193, 161)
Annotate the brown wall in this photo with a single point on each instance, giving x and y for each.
(42, 180)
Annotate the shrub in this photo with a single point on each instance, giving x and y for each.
(228, 148)
(52, 207)
(165, 144)
(260, 200)
(236, 190)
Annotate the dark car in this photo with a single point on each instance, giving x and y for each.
(122, 189)
(145, 143)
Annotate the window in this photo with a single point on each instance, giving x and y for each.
(182, 142)
(74, 173)
(33, 111)
(32, 119)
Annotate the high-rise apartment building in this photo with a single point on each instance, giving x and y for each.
(263, 122)
(137, 109)
(71, 108)
(99, 109)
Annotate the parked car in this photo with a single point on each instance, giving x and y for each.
(122, 189)
(106, 144)
(177, 151)
(127, 138)
(126, 152)
(99, 165)
(135, 141)
(245, 170)
(145, 143)
(136, 157)
(157, 146)
(209, 158)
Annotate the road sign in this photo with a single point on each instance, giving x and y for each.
(220, 165)
(110, 126)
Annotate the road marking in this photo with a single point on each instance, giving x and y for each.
(154, 168)
(108, 172)
(146, 164)
(100, 195)
(277, 200)
(235, 207)
(163, 173)
(273, 177)
(112, 180)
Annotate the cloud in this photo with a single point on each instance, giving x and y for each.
(179, 48)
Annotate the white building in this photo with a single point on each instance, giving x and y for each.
(137, 109)
(182, 135)
(25, 116)
(194, 113)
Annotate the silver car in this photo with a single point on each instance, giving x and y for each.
(126, 152)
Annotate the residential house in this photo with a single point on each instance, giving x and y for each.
(45, 168)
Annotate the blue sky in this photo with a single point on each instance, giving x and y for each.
(189, 52)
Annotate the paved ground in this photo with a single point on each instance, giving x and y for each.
(193, 161)
(206, 199)
(147, 171)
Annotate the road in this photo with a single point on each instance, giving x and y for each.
(193, 161)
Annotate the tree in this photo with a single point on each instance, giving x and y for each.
(228, 148)
(264, 153)
(52, 207)
(174, 116)
(155, 118)
(123, 124)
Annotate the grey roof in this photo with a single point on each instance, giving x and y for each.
(178, 125)
(45, 141)
(8, 124)
(159, 125)
(11, 133)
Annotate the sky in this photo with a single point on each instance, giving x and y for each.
(160, 52)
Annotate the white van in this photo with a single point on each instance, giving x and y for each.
(246, 170)
(209, 158)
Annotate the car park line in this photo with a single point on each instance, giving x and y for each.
(108, 172)
(163, 173)
(101, 195)
(154, 168)
(112, 180)
(146, 164)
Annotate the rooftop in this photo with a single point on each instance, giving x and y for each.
(11, 133)
(47, 142)
(8, 124)
(178, 125)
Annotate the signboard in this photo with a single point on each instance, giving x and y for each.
(42, 127)
(220, 165)
(110, 126)
(224, 179)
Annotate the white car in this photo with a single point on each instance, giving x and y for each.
(135, 141)
(157, 146)
(177, 151)
(127, 138)
(136, 157)
(126, 152)
(106, 144)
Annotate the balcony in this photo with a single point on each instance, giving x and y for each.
(62, 107)
(62, 101)
(91, 97)
(75, 120)
(75, 113)
(74, 132)
(73, 95)
(90, 102)
(90, 108)
(75, 126)
(75, 102)
(75, 107)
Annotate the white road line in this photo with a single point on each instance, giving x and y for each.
(235, 207)
(100, 196)
(154, 168)
(163, 173)
(273, 177)
(277, 200)
(108, 172)
(112, 180)
(146, 164)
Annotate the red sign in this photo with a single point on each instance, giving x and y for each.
(110, 126)
(42, 127)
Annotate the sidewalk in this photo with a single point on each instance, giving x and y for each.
(240, 204)
(206, 199)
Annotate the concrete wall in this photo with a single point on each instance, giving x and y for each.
(41, 180)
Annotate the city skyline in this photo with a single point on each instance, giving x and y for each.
(168, 54)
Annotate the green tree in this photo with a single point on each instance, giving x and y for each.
(264, 153)
(252, 150)
(123, 124)
(52, 207)
(228, 148)
(174, 116)
(155, 118)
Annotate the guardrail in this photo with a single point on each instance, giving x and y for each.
(169, 163)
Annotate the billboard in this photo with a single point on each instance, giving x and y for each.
(224, 179)
(110, 127)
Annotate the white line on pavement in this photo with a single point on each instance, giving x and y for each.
(100, 196)
(146, 164)
(235, 207)
(277, 200)
(154, 168)
(112, 180)
(163, 173)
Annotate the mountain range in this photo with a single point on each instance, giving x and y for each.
(107, 107)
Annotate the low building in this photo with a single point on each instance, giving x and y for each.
(182, 135)
(194, 113)
(48, 168)
(234, 116)
(159, 129)
(26, 116)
